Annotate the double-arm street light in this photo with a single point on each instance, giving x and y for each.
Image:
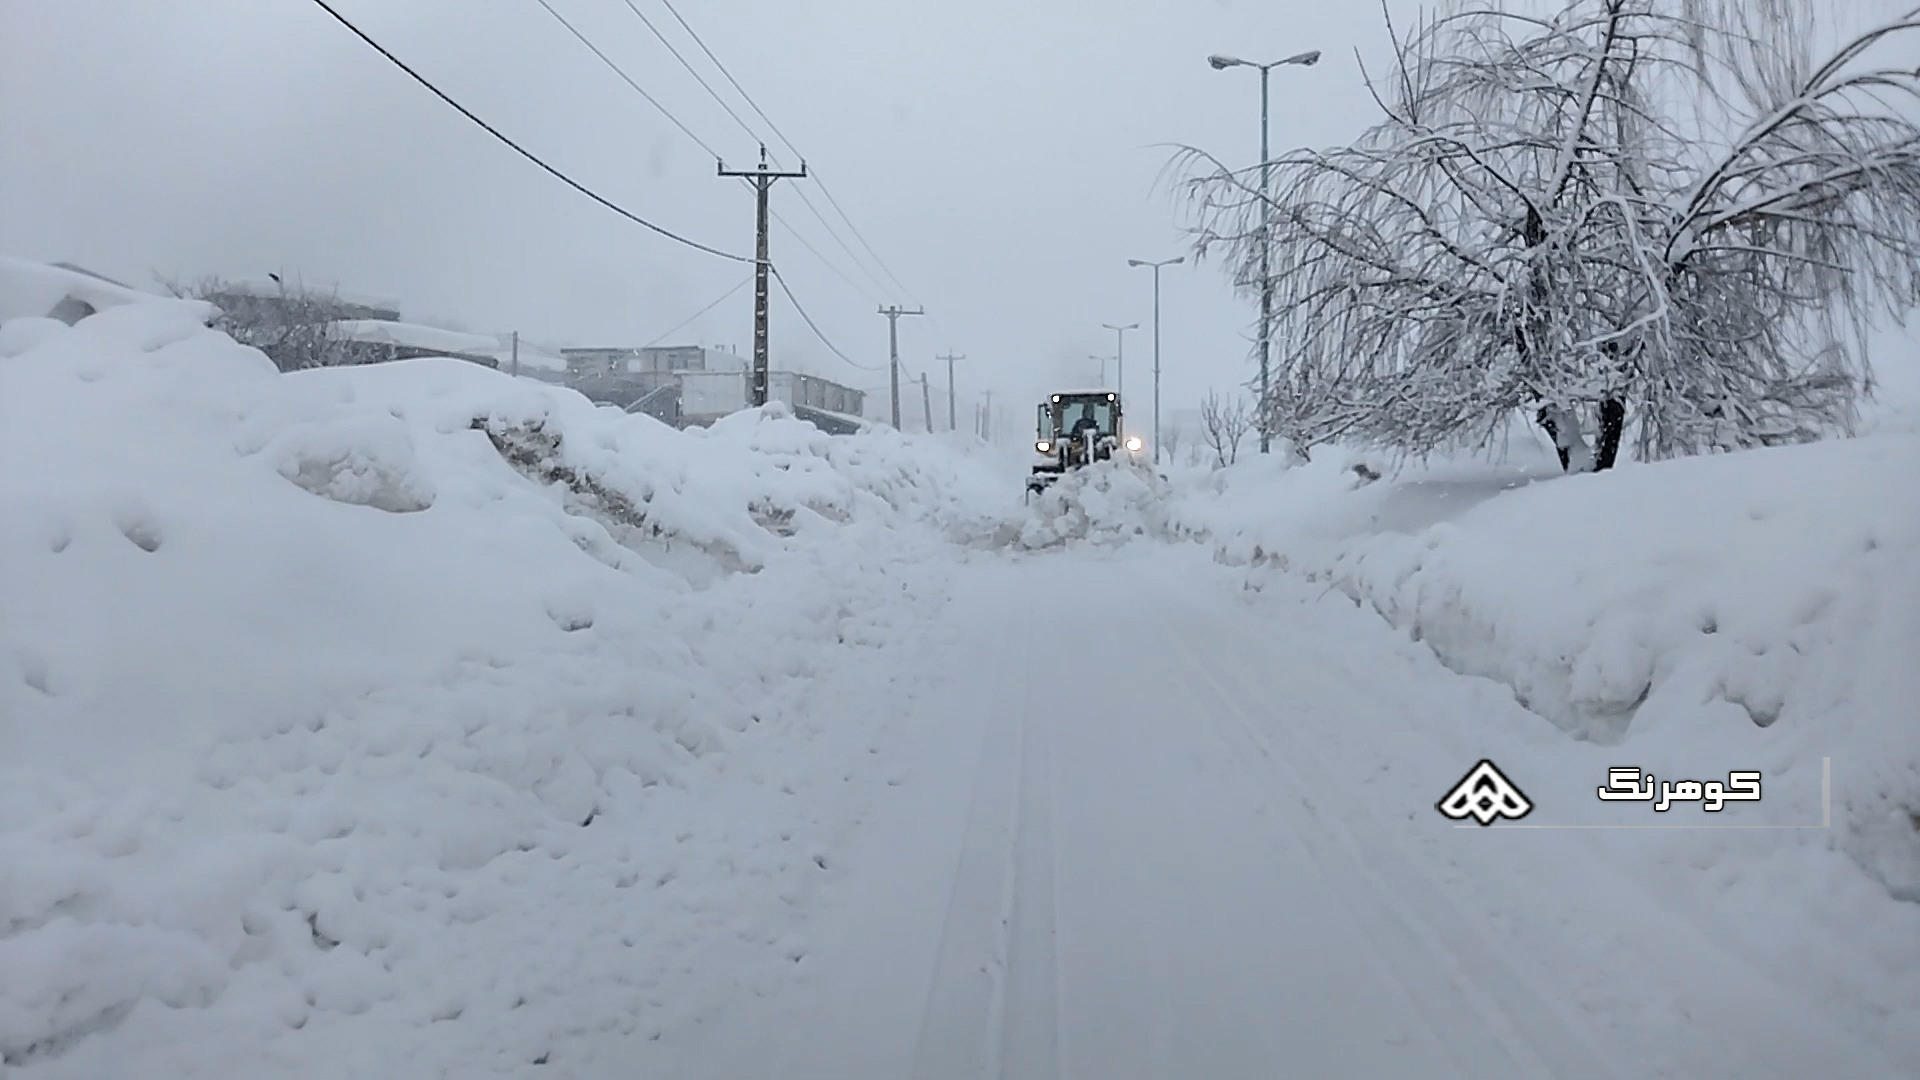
(1156, 341)
(1221, 63)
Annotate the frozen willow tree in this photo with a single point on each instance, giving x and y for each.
(1672, 217)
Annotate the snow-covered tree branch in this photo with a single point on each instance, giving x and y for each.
(1674, 205)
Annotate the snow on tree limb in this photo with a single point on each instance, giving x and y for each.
(1673, 204)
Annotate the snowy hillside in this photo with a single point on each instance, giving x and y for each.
(357, 708)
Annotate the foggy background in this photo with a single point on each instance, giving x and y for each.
(1000, 156)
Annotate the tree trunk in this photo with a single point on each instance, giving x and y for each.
(1563, 427)
(1613, 420)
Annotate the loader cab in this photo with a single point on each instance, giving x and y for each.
(1077, 428)
(1065, 417)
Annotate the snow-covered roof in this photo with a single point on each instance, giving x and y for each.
(37, 289)
(266, 288)
(413, 335)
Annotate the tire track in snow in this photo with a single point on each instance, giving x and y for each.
(1475, 1002)
(992, 1000)
(1029, 1039)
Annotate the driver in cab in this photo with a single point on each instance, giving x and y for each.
(1085, 423)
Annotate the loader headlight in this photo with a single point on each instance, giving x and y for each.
(1134, 444)
(1043, 446)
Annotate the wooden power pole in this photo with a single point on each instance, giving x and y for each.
(950, 358)
(926, 402)
(893, 314)
(762, 180)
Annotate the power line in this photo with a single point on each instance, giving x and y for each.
(755, 106)
(824, 261)
(752, 134)
(651, 100)
(835, 203)
(628, 79)
(748, 128)
(517, 148)
(795, 301)
(691, 318)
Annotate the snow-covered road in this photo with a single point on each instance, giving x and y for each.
(1147, 831)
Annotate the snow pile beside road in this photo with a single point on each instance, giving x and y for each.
(333, 743)
(1696, 602)
(1763, 605)
(1107, 503)
(728, 495)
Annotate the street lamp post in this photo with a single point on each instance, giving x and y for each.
(1120, 356)
(1221, 63)
(1156, 341)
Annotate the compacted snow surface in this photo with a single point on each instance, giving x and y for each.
(420, 721)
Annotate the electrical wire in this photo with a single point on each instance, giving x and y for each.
(720, 100)
(691, 318)
(775, 128)
(704, 85)
(795, 301)
(677, 122)
(824, 261)
(523, 151)
(628, 79)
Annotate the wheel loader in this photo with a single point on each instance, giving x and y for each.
(1076, 428)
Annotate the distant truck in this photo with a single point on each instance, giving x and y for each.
(1076, 428)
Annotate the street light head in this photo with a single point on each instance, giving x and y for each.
(1222, 63)
(1305, 59)
(1135, 262)
(1177, 260)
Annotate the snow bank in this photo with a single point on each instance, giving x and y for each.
(406, 719)
(1106, 504)
(1764, 605)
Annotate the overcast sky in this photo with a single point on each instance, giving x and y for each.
(999, 155)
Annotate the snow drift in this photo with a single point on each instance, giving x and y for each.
(1764, 605)
(414, 718)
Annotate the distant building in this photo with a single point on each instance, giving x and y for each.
(375, 341)
(606, 363)
(262, 302)
(692, 386)
(709, 395)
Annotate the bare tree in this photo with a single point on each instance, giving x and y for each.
(1170, 440)
(1674, 203)
(1223, 425)
(293, 324)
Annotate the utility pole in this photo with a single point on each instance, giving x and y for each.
(1103, 369)
(893, 313)
(950, 358)
(986, 419)
(926, 402)
(516, 353)
(762, 179)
